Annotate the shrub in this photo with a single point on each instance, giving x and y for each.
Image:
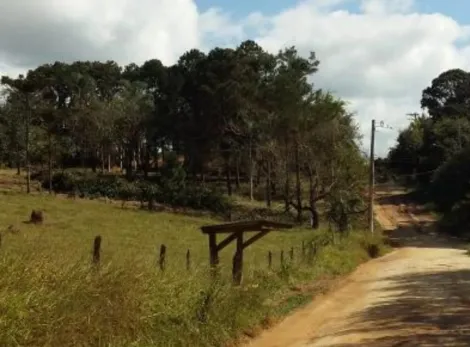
(171, 189)
(457, 221)
(451, 183)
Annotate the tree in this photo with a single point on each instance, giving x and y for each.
(241, 113)
(132, 108)
(22, 92)
(448, 95)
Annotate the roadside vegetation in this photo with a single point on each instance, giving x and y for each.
(50, 294)
(432, 153)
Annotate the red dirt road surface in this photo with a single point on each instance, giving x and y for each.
(418, 295)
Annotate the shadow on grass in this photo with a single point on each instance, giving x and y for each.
(427, 310)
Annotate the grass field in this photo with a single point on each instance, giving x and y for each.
(50, 295)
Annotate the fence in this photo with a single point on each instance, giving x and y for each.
(306, 252)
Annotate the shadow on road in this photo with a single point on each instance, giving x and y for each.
(421, 235)
(426, 310)
(409, 225)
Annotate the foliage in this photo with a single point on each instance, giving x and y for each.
(448, 95)
(429, 141)
(239, 111)
(451, 182)
(91, 185)
(433, 151)
(342, 208)
(457, 220)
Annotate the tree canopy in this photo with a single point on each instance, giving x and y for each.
(239, 112)
(433, 150)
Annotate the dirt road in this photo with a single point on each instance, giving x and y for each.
(418, 295)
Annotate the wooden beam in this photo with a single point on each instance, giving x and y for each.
(226, 241)
(236, 231)
(257, 225)
(255, 238)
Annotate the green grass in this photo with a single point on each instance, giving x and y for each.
(50, 295)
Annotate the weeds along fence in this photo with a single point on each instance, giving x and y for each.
(304, 253)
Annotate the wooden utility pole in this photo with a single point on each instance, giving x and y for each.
(415, 115)
(371, 178)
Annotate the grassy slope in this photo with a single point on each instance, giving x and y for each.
(50, 295)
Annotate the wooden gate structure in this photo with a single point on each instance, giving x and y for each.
(236, 232)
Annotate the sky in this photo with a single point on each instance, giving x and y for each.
(378, 55)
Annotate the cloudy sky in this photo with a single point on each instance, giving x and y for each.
(377, 54)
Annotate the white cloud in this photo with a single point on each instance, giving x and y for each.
(386, 7)
(33, 32)
(379, 59)
(219, 25)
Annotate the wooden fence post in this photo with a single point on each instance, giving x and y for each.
(161, 260)
(270, 260)
(282, 257)
(188, 260)
(292, 254)
(97, 250)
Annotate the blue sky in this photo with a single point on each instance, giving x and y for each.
(457, 9)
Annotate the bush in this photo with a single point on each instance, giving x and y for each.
(457, 221)
(87, 184)
(170, 190)
(451, 183)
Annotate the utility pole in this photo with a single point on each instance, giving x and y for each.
(415, 115)
(371, 178)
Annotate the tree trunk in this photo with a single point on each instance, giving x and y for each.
(228, 178)
(83, 155)
(298, 191)
(287, 182)
(49, 161)
(258, 176)
(94, 160)
(147, 160)
(28, 165)
(18, 160)
(121, 165)
(109, 161)
(102, 159)
(138, 156)
(129, 159)
(273, 184)
(314, 215)
(163, 151)
(268, 185)
(237, 168)
(251, 171)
